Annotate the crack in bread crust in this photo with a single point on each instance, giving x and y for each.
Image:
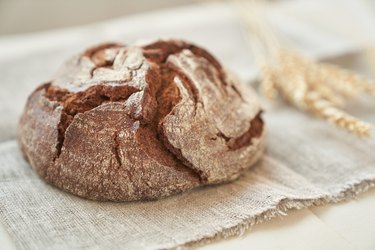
(81, 102)
(256, 125)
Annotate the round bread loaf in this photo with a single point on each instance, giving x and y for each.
(126, 123)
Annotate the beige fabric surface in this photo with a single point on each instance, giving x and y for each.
(307, 161)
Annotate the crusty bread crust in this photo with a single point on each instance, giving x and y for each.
(126, 123)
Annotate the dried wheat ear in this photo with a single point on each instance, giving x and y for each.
(319, 88)
(322, 89)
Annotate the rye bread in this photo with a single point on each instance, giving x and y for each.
(139, 122)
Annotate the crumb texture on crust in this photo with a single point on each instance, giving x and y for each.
(128, 123)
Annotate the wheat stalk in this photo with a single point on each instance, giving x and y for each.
(321, 89)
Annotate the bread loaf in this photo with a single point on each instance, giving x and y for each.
(139, 122)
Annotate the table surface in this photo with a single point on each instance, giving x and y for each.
(347, 225)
